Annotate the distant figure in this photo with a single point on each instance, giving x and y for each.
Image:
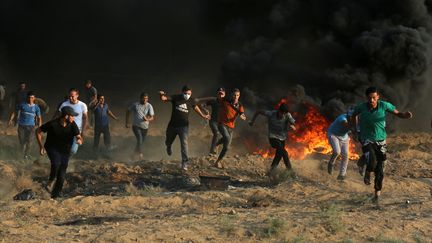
(338, 138)
(90, 98)
(2, 101)
(143, 114)
(179, 123)
(279, 122)
(373, 134)
(229, 110)
(28, 116)
(80, 119)
(61, 134)
(19, 96)
(102, 113)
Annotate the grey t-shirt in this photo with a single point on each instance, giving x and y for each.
(139, 111)
(278, 128)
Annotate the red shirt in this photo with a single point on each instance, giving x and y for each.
(229, 112)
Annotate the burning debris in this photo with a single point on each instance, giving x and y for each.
(310, 135)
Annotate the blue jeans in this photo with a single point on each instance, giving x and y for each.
(214, 128)
(140, 134)
(59, 164)
(227, 134)
(74, 147)
(183, 133)
(340, 147)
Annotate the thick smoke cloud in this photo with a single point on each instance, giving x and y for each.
(335, 49)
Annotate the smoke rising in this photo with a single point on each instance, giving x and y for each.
(334, 49)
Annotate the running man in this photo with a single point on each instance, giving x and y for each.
(61, 134)
(372, 115)
(102, 113)
(179, 123)
(28, 115)
(214, 104)
(81, 119)
(228, 112)
(19, 96)
(143, 114)
(337, 135)
(279, 122)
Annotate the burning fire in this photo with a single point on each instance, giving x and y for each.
(310, 136)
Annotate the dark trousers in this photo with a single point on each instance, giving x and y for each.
(59, 164)
(140, 135)
(183, 133)
(25, 133)
(98, 130)
(227, 134)
(214, 128)
(375, 156)
(281, 152)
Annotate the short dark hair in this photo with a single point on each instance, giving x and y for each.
(143, 94)
(89, 82)
(100, 95)
(284, 107)
(235, 90)
(371, 90)
(31, 93)
(186, 88)
(73, 90)
(21, 83)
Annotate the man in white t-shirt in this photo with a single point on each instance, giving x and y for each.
(81, 119)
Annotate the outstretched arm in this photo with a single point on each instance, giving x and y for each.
(112, 115)
(200, 113)
(163, 96)
(403, 115)
(257, 113)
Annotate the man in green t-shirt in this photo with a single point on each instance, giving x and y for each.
(372, 118)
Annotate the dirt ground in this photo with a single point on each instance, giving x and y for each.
(118, 198)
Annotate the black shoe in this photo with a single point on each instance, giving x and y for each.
(330, 168)
(169, 150)
(341, 177)
(366, 178)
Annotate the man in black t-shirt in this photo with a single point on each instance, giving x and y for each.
(179, 123)
(60, 135)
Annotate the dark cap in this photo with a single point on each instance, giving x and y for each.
(67, 110)
(221, 89)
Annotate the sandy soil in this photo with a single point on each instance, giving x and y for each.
(121, 199)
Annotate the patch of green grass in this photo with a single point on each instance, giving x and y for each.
(298, 239)
(331, 216)
(383, 239)
(418, 238)
(227, 224)
(274, 227)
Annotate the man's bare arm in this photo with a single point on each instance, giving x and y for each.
(403, 115)
(84, 123)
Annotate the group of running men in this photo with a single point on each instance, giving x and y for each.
(66, 130)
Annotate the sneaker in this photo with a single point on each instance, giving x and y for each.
(341, 177)
(366, 178)
(330, 168)
(169, 150)
(184, 166)
(376, 197)
(293, 174)
(49, 186)
(219, 164)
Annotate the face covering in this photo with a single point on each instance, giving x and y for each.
(186, 96)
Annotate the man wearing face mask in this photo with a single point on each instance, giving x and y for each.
(179, 123)
(61, 133)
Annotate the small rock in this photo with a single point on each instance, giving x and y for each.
(249, 233)
(232, 212)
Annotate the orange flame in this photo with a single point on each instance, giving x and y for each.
(310, 136)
